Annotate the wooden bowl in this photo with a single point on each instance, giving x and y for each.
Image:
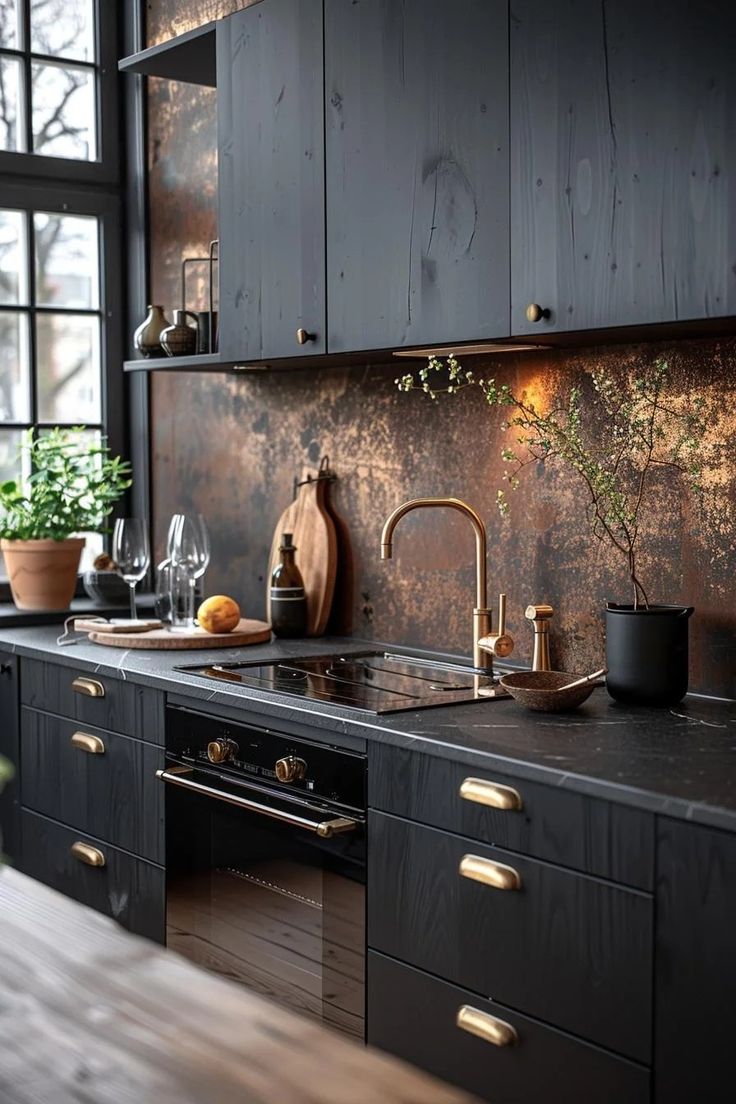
(540, 690)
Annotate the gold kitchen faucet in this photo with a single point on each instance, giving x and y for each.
(486, 644)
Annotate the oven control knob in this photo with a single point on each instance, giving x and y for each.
(290, 769)
(219, 751)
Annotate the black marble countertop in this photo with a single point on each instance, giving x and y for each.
(680, 762)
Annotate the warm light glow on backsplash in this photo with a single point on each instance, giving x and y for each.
(536, 389)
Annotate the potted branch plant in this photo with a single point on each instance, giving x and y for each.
(71, 489)
(615, 439)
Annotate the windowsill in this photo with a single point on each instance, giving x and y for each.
(13, 618)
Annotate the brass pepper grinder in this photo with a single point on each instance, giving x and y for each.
(540, 617)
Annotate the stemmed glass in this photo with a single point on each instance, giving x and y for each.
(189, 552)
(131, 553)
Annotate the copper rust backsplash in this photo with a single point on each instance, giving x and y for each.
(230, 446)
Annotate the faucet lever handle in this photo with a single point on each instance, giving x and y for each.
(499, 643)
(501, 615)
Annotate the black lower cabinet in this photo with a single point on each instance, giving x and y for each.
(415, 1017)
(695, 989)
(130, 890)
(572, 950)
(9, 750)
(94, 781)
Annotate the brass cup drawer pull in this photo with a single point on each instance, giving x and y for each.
(494, 874)
(491, 793)
(85, 742)
(486, 1027)
(91, 688)
(91, 856)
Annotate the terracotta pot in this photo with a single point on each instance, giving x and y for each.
(42, 573)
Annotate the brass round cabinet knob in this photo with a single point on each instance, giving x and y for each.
(290, 769)
(303, 336)
(535, 313)
(219, 751)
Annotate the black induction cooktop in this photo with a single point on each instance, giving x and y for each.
(373, 682)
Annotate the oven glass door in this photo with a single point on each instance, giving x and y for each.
(269, 905)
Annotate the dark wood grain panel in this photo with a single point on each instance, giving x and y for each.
(271, 179)
(695, 988)
(114, 795)
(569, 949)
(88, 1013)
(125, 707)
(413, 1016)
(623, 169)
(9, 749)
(417, 171)
(585, 833)
(128, 889)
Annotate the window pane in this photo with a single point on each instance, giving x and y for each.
(10, 441)
(68, 368)
(63, 28)
(67, 272)
(13, 258)
(63, 111)
(15, 375)
(12, 130)
(10, 24)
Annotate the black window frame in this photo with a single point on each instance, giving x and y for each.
(106, 169)
(35, 182)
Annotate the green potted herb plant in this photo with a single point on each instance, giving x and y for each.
(625, 428)
(71, 488)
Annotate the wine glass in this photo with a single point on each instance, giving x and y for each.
(131, 553)
(189, 553)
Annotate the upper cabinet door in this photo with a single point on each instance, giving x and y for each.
(271, 167)
(623, 162)
(417, 171)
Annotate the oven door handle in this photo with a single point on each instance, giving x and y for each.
(178, 776)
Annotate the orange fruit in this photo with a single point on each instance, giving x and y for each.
(218, 614)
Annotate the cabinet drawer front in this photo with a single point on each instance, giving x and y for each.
(128, 889)
(585, 833)
(94, 781)
(94, 699)
(570, 949)
(414, 1016)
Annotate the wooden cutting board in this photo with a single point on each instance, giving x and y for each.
(246, 632)
(315, 538)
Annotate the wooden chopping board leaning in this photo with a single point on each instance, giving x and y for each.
(309, 520)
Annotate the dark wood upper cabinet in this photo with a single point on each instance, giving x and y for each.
(417, 172)
(271, 169)
(623, 162)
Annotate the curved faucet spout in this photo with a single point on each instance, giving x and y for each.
(481, 614)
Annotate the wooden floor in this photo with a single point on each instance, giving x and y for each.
(92, 1015)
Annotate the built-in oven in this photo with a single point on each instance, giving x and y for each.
(265, 863)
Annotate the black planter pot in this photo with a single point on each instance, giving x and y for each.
(647, 654)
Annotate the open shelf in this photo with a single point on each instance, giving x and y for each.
(190, 57)
(198, 362)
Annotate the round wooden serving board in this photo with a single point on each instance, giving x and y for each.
(245, 632)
